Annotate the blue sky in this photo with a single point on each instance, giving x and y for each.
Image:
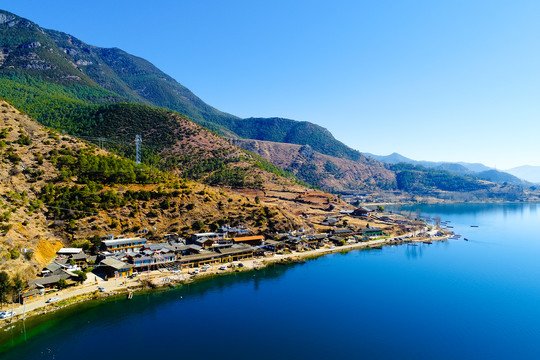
(432, 80)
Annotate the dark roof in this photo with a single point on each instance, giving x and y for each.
(53, 279)
(155, 247)
(371, 229)
(80, 256)
(30, 293)
(54, 266)
(235, 250)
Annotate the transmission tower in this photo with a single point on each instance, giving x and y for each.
(138, 141)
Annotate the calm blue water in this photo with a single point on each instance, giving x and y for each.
(469, 300)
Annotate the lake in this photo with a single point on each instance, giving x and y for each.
(455, 299)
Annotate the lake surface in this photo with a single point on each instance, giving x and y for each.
(476, 299)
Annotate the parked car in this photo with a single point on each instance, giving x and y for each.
(101, 288)
(51, 300)
(6, 314)
(240, 265)
(222, 268)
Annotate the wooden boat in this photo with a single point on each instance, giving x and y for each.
(427, 242)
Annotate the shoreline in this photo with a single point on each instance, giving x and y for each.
(157, 280)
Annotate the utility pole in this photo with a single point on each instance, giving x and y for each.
(138, 141)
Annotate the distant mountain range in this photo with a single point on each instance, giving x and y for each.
(478, 170)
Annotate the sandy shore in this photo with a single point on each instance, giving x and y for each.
(160, 278)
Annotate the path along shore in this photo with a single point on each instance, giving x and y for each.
(161, 278)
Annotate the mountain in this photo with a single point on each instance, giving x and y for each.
(526, 172)
(460, 168)
(32, 56)
(454, 168)
(58, 191)
(475, 167)
(500, 177)
(393, 158)
(293, 132)
(328, 172)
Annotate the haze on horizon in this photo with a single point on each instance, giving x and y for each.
(454, 81)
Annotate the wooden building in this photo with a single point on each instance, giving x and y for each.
(254, 240)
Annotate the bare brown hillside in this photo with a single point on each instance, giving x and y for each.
(328, 172)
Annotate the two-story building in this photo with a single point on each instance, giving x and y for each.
(123, 245)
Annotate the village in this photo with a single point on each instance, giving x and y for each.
(123, 262)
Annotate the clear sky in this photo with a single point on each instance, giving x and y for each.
(433, 80)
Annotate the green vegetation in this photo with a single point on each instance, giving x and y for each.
(292, 132)
(418, 179)
(5, 286)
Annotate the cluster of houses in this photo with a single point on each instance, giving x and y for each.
(125, 257)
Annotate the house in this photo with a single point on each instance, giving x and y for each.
(337, 240)
(295, 243)
(123, 245)
(147, 259)
(51, 282)
(371, 231)
(80, 259)
(204, 258)
(62, 264)
(181, 249)
(330, 221)
(255, 240)
(236, 253)
(209, 235)
(344, 232)
(234, 231)
(140, 261)
(274, 245)
(115, 268)
(69, 251)
(314, 241)
(362, 212)
(205, 242)
(29, 294)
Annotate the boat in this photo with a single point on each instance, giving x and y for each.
(474, 225)
(411, 244)
(465, 239)
(130, 295)
(427, 242)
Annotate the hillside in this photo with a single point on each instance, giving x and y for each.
(59, 191)
(328, 172)
(76, 72)
(500, 177)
